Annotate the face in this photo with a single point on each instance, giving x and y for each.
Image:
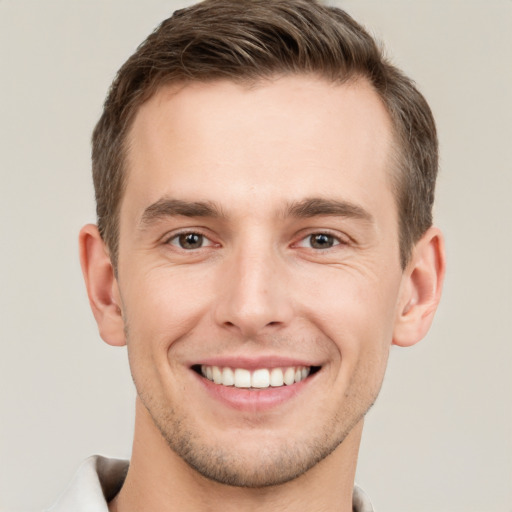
(259, 274)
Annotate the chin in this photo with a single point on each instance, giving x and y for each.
(263, 467)
(252, 461)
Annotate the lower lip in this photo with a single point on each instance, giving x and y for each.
(253, 400)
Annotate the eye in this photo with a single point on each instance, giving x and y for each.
(190, 241)
(319, 241)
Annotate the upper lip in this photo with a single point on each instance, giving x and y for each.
(253, 363)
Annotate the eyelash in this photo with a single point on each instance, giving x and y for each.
(177, 240)
(336, 240)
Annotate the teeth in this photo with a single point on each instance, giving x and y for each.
(276, 377)
(242, 378)
(217, 375)
(228, 377)
(289, 376)
(260, 379)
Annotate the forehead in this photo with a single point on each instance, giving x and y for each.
(280, 139)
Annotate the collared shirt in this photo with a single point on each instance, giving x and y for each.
(99, 479)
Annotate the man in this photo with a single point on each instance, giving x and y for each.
(264, 183)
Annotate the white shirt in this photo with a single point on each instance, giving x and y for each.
(99, 479)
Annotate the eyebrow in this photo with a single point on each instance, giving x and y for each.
(310, 207)
(167, 207)
(315, 206)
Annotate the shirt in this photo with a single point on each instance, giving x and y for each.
(99, 479)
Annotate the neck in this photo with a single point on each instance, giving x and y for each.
(158, 479)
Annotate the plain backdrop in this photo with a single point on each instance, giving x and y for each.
(440, 436)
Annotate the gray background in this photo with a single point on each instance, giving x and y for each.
(440, 435)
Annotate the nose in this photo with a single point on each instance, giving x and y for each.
(253, 297)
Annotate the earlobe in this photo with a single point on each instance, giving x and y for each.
(101, 284)
(421, 288)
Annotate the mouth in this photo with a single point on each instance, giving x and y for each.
(255, 379)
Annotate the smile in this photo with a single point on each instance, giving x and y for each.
(259, 378)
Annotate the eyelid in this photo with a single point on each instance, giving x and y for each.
(174, 235)
(339, 239)
(301, 239)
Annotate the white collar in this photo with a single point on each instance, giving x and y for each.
(99, 479)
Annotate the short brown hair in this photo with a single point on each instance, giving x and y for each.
(249, 40)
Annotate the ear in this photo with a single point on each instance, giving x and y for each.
(420, 291)
(101, 284)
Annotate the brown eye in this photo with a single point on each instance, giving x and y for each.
(189, 241)
(321, 241)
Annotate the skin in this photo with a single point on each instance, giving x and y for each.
(257, 288)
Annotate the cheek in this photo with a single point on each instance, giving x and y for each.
(356, 311)
(161, 307)
(166, 296)
(352, 304)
